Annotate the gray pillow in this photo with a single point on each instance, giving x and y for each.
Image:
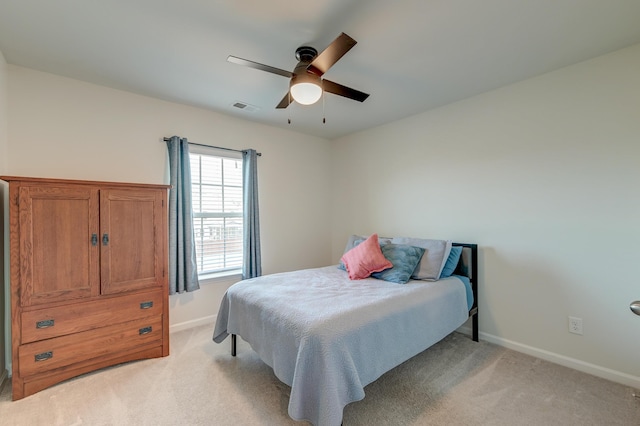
(351, 242)
(433, 260)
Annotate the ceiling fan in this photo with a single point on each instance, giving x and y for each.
(306, 83)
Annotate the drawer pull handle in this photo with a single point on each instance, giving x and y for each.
(146, 305)
(44, 356)
(45, 323)
(145, 330)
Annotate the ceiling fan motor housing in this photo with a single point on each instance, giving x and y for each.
(305, 87)
(306, 54)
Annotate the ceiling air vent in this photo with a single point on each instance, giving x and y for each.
(245, 106)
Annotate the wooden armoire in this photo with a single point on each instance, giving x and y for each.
(88, 271)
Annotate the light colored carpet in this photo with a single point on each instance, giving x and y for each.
(456, 382)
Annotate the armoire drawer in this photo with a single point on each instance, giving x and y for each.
(63, 320)
(62, 351)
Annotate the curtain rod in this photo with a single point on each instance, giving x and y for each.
(211, 146)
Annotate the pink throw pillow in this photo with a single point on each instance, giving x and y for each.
(365, 259)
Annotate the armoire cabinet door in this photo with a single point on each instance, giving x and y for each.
(59, 251)
(131, 240)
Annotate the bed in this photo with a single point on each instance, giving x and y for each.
(327, 336)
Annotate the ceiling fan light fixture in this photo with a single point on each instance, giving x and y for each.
(306, 88)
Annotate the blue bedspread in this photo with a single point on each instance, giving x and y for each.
(328, 337)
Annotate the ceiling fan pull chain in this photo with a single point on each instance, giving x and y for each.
(324, 116)
(289, 118)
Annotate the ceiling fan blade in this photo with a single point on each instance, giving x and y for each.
(331, 54)
(259, 66)
(347, 92)
(284, 102)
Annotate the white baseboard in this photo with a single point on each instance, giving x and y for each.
(211, 319)
(576, 364)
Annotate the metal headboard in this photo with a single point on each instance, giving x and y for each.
(468, 266)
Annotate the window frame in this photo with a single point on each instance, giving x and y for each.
(229, 154)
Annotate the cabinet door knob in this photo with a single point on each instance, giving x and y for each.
(94, 239)
(105, 239)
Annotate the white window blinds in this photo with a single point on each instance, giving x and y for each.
(216, 181)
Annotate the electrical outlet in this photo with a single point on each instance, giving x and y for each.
(575, 325)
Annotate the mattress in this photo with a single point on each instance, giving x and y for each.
(328, 337)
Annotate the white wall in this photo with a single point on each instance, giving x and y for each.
(540, 174)
(65, 128)
(543, 175)
(4, 252)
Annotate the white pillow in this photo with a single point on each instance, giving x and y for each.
(433, 260)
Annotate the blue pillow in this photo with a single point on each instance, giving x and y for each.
(452, 262)
(404, 259)
(469, 290)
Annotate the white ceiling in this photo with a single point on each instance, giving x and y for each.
(412, 55)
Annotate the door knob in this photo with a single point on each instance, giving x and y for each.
(635, 307)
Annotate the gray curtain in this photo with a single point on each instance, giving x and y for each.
(183, 273)
(252, 266)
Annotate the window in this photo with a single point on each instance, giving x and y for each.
(216, 185)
